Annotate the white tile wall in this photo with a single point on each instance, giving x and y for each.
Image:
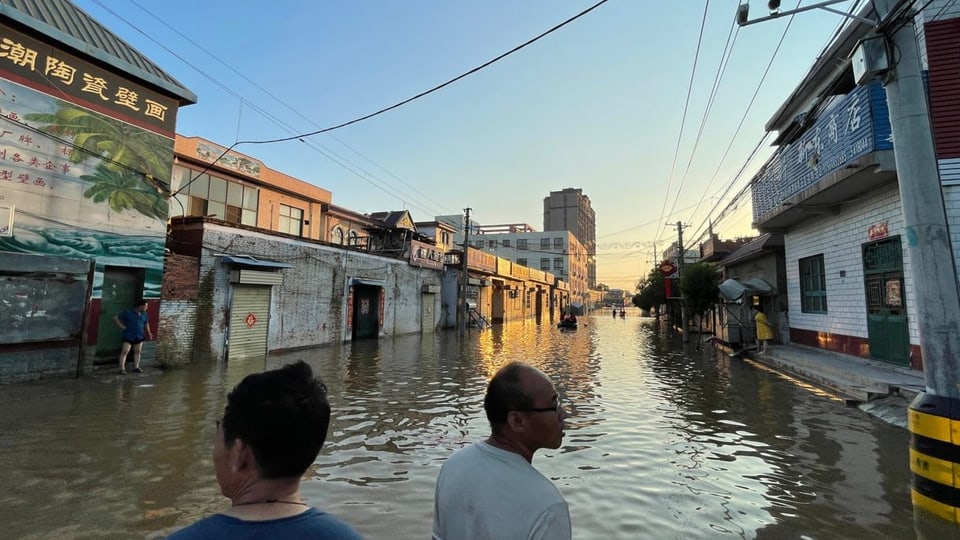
(839, 237)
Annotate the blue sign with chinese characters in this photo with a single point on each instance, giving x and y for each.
(856, 125)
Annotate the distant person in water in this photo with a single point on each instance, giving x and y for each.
(271, 431)
(136, 327)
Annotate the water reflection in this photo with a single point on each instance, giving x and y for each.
(664, 441)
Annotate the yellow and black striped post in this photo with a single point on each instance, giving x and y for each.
(934, 424)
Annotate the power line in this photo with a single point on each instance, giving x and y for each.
(322, 150)
(410, 99)
(281, 102)
(683, 119)
(735, 200)
(721, 69)
(753, 99)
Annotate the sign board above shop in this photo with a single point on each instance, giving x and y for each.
(857, 124)
(425, 255)
(46, 68)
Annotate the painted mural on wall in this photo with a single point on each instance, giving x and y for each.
(82, 184)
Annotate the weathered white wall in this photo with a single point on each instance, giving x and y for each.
(310, 307)
(839, 238)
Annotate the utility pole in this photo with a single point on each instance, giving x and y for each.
(463, 313)
(924, 217)
(683, 304)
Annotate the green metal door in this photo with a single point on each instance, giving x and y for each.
(366, 311)
(249, 321)
(886, 306)
(121, 288)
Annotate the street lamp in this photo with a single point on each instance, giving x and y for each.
(743, 11)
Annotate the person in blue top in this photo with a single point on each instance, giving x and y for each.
(136, 327)
(272, 429)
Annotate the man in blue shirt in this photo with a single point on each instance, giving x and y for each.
(272, 429)
(136, 327)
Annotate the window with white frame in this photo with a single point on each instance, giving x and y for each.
(337, 236)
(291, 220)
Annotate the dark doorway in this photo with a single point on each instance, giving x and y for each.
(367, 311)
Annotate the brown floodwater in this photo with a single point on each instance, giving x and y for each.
(664, 441)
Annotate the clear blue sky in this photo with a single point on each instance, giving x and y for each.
(597, 104)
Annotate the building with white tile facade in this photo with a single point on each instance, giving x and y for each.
(831, 189)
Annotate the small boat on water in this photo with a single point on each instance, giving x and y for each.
(567, 325)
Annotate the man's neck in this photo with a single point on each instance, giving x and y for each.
(510, 445)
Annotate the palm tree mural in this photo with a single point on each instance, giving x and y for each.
(124, 190)
(124, 145)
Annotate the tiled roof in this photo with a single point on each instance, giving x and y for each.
(64, 22)
(765, 242)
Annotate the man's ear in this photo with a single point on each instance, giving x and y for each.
(241, 456)
(516, 421)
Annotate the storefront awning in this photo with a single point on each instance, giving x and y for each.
(733, 290)
(248, 261)
(365, 281)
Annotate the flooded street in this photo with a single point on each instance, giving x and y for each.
(662, 442)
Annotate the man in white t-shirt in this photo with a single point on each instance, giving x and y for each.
(490, 490)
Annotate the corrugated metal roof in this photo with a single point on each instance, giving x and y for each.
(66, 23)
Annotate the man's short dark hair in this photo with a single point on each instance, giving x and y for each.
(283, 415)
(140, 302)
(505, 393)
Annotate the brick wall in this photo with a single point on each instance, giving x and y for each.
(180, 277)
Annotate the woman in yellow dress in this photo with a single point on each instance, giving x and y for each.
(764, 329)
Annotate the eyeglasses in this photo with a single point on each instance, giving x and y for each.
(556, 409)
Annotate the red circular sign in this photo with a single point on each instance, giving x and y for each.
(667, 267)
(250, 320)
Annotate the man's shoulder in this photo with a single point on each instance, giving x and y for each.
(311, 524)
(207, 527)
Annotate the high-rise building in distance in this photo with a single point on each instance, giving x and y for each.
(569, 210)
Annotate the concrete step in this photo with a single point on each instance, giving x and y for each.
(847, 389)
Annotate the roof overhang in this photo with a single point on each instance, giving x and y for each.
(867, 173)
(251, 262)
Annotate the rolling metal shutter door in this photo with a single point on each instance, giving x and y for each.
(249, 321)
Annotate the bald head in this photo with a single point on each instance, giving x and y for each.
(509, 390)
